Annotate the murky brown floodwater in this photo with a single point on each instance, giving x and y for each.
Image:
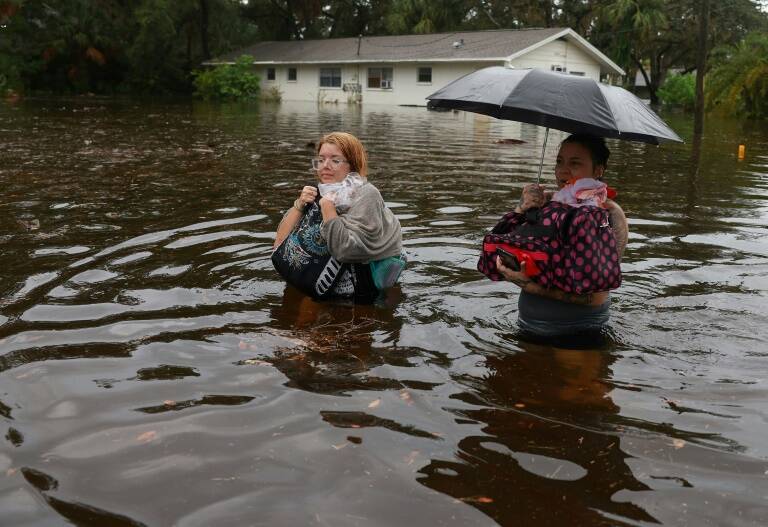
(155, 371)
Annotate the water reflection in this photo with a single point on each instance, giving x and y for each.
(547, 450)
(334, 350)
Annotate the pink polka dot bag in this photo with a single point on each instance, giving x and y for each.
(571, 248)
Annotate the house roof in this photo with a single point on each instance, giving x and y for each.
(459, 46)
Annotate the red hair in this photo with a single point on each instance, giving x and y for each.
(351, 147)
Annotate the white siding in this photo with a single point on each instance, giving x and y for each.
(406, 90)
(560, 53)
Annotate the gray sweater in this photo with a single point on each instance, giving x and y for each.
(367, 231)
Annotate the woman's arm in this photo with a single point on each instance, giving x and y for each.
(521, 280)
(367, 231)
(328, 209)
(293, 216)
(533, 195)
(618, 224)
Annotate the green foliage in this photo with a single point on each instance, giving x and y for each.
(661, 34)
(679, 90)
(738, 80)
(153, 45)
(158, 31)
(113, 45)
(228, 81)
(425, 16)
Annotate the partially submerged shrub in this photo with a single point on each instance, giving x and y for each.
(228, 81)
(272, 95)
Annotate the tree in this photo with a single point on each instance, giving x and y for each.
(738, 81)
(653, 36)
(425, 16)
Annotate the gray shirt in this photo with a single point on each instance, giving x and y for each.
(368, 231)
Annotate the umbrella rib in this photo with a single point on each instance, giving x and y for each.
(607, 105)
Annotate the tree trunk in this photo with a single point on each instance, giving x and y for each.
(643, 72)
(204, 29)
(701, 67)
(655, 82)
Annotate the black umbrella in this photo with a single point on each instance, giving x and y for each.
(555, 100)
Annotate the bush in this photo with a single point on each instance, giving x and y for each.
(273, 94)
(228, 81)
(679, 90)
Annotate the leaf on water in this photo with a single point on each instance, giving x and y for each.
(406, 397)
(678, 443)
(11, 472)
(146, 437)
(477, 499)
(375, 403)
(339, 446)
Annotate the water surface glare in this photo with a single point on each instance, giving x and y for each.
(155, 371)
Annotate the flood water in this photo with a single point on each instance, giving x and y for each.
(154, 369)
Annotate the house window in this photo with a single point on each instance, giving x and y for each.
(291, 74)
(270, 74)
(578, 73)
(424, 76)
(380, 78)
(330, 77)
(557, 67)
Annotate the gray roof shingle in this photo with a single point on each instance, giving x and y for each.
(477, 45)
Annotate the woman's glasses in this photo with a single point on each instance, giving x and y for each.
(319, 162)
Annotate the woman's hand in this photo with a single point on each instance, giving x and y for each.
(519, 278)
(294, 214)
(328, 206)
(533, 196)
(307, 196)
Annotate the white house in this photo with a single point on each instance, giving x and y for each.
(404, 69)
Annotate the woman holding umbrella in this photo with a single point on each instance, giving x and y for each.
(551, 312)
(573, 104)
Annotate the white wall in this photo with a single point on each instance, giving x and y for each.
(560, 53)
(405, 88)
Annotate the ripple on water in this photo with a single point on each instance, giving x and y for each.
(170, 270)
(199, 239)
(446, 223)
(131, 258)
(93, 276)
(455, 210)
(48, 251)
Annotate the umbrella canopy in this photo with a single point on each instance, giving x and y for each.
(555, 100)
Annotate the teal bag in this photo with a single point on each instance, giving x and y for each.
(386, 272)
